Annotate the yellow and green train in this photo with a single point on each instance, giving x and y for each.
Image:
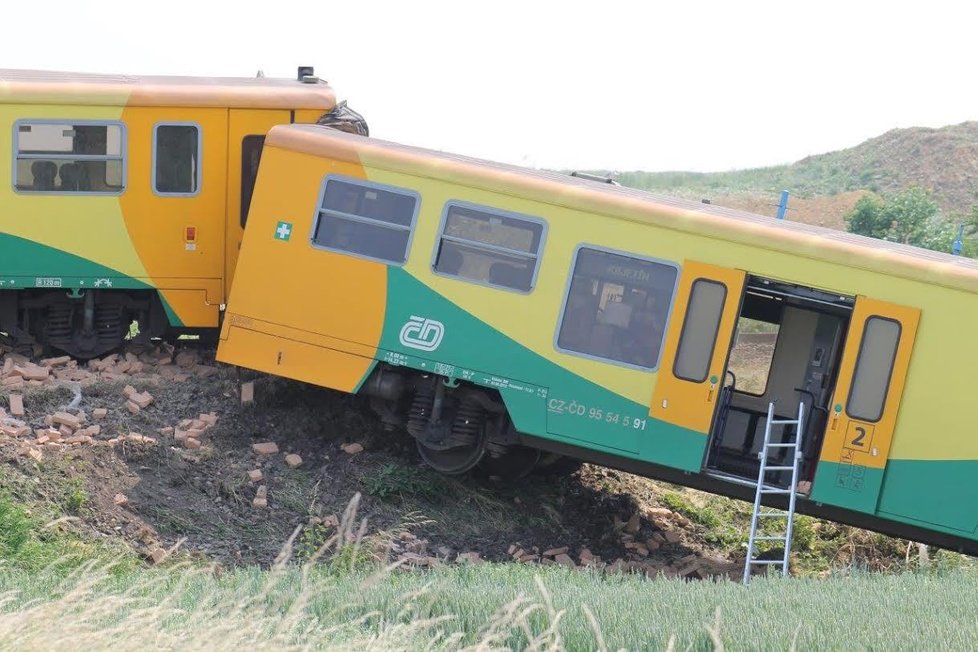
(124, 198)
(497, 312)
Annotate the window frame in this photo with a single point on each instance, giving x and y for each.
(889, 377)
(492, 211)
(716, 330)
(774, 353)
(665, 327)
(123, 156)
(319, 211)
(200, 157)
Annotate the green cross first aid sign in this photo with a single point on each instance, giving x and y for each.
(283, 231)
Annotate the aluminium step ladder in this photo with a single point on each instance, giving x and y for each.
(763, 488)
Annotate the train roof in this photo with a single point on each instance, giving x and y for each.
(49, 87)
(815, 242)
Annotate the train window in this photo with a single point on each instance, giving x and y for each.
(176, 159)
(77, 157)
(251, 149)
(700, 328)
(489, 246)
(753, 354)
(616, 307)
(874, 366)
(366, 219)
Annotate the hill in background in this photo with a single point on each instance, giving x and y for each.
(825, 187)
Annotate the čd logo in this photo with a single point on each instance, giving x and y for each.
(422, 333)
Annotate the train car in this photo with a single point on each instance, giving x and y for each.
(496, 312)
(124, 198)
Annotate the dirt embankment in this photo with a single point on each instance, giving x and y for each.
(155, 447)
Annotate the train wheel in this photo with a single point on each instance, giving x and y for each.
(454, 459)
(510, 462)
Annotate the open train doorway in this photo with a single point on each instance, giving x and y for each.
(787, 349)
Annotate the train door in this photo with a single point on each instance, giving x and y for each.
(688, 387)
(174, 203)
(864, 406)
(787, 351)
(246, 138)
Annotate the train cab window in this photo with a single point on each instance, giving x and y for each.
(616, 307)
(77, 157)
(366, 219)
(700, 328)
(489, 246)
(871, 381)
(176, 159)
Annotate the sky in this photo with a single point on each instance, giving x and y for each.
(680, 85)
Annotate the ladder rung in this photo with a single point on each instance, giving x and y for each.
(775, 491)
(789, 444)
(784, 538)
(782, 514)
(778, 422)
(768, 562)
(779, 468)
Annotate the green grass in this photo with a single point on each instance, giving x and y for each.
(496, 606)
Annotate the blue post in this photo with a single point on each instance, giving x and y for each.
(958, 242)
(783, 206)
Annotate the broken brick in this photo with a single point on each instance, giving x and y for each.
(56, 362)
(17, 405)
(99, 413)
(31, 372)
(143, 400)
(65, 419)
(293, 460)
(565, 560)
(265, 448)
(352, 449)
(255, 475)
(120, 499)
(247, 392)
(209, 419)
(191, 443)
(132, 407)
(13, 382)
(553, 552)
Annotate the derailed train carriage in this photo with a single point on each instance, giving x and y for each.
(125, 198)
(496, 312)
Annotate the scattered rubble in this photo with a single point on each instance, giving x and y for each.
(247, 392)
(653, 540)
(265, 448)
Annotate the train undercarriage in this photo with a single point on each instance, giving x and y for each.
(84, 324)
(456, 426)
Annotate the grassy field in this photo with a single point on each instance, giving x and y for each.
(479, 607)
(51, 598)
